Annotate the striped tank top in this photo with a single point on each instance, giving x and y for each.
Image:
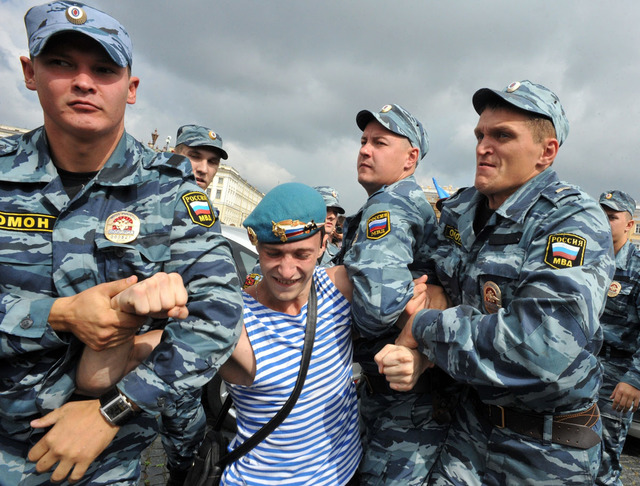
(319, 442)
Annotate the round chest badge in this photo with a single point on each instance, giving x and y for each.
(122, 227)
(614, 289)
(492, 296)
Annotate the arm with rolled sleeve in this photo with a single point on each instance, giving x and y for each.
(549, 326)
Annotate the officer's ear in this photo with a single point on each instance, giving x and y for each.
(133, 89)
(28, 72)
(629, 225)
(549, 151)
(411, 161)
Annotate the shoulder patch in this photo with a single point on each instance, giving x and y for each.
(378, 225)
(199, 208)
(565, 250)
(453, 234)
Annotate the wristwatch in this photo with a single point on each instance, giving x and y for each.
(116, 408)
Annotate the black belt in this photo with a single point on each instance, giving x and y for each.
(608, 352)
(573, 430)
(379, 384)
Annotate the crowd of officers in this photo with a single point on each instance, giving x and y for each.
(499, 345)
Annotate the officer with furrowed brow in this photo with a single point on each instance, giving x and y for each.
(526, 260)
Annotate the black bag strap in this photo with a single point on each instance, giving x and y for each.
(260, 435)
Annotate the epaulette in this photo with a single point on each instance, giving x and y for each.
(457, 193)
(558, 190)
(9, 145)
(170, 161)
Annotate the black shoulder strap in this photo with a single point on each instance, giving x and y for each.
(259, 436)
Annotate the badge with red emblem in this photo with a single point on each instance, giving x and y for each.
(614, 289)
(122, 227)
(492, 296)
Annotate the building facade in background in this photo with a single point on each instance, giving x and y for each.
(7, 131)
(233, 196)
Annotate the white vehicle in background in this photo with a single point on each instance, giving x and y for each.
(244, 253)
(246, 257)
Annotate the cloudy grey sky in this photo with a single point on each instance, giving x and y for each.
(282, 81)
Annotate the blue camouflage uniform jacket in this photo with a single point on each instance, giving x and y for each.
(528, 292)
(52, 247)
(621, 317)
(385, 246)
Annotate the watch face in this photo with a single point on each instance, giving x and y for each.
(117, 411)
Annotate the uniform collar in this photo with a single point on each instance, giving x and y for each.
(520, 202)
(31, 161)
(390, 186)
(624, 255)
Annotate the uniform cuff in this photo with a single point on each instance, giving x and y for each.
(424, 331)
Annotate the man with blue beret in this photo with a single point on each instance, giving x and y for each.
(526, 260)
(334, 209)
(385, 246)
(319, 441)
(101, 238)
(620, 352)
(203, 147)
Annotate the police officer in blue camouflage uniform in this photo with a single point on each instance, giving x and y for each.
(182, 434)
(203, 147)
(332, 201)
(87, 214)
(526, 260)
(620, 352)
(384, 248)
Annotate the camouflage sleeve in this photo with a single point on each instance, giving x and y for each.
(378, 263)
(632, 376)
(193, 349)
(23, 324)
(549, 325)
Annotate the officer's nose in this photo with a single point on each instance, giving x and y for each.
(483, 147)
(365, 149)
(198, 166)
(84, 81)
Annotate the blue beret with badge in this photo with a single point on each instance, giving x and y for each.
(49, 19)
(530, 97)
(198, 136)
(330, 196)
(618, 201)
(399, 121)
(289, 212)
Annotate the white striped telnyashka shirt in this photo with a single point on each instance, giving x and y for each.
(319, 442)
